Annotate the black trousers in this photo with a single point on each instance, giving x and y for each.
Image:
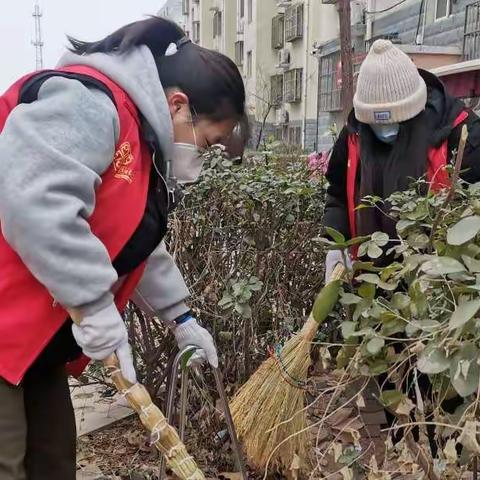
(37, 428)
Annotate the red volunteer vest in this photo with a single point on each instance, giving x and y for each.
(436, 174)
(29, 317)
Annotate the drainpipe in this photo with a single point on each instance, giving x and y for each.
(421, 36)
(305, 70)
(370, 18)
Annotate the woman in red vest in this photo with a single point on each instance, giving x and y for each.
(404, 125)
(92, 157)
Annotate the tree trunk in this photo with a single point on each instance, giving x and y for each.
(343, 7)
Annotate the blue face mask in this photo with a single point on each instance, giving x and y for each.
(386, 133)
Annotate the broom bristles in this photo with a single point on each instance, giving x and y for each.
(269, 409)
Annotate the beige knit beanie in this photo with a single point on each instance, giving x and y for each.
(389, 87)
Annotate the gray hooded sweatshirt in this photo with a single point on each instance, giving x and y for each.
(53, 153)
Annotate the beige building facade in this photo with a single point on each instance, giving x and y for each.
(289, 52)
(272, 42)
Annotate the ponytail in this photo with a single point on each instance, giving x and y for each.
(154, 32)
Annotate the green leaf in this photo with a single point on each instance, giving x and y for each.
(426, 325)
(375, 280)
(350, 299)
(378, 367)
(375, 345)
(349, 456)
(442, 266)
(365, 266)
(369, 278)
(464, 230)
(392, 327)
(336, 236)
(226, 300)
(348, 328)
(390, 398)
(472, 264)
(363, 249)
(361, 308)
(463, 313)
(356, 241)
(432, 361)
(366, 290)
(364, 332)
(464, 370)
(373, 250)
(380, 238)
(417, 240)
(400, 301)
(243, 309)
(402, 225)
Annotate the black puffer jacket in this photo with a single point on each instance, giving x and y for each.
(385, 169)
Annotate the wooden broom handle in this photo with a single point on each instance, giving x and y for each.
(338, 272)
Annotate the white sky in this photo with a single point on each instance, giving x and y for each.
(84, 19)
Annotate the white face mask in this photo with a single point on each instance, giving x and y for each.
(386, 133)
(187, 161)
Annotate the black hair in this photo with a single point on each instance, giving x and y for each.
(210, 79)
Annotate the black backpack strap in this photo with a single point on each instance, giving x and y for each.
(30, 89)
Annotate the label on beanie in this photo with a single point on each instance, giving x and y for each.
(382, 116)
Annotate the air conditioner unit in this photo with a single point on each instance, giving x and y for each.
(357, 12)
(283, 58)
(282, 117)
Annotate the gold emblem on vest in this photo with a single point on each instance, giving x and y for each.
(122, 163)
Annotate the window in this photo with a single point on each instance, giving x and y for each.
(239, 53)
(293, 85)
(185, 7)
(278, 134)
(241, 8)
(442, 9)
(294, 22)
(276, 90)
(278, 38)
(249, 64)
(196, 31)
(295, 135)
(250, 11)
(217, 24)
(329, 83)
(471, 32)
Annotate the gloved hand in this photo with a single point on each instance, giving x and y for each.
(103, 333)
(333, 258)
(189, 332)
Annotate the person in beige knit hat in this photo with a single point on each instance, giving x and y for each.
(404, 125)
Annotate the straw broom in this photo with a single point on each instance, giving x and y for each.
(163, 435)
(268, 411)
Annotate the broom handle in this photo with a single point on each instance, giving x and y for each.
(324, 303)
(338, 272)
(168, 443)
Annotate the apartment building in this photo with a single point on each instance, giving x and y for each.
(173, 10)
(272, 42)
(433, 33)
(289, 52)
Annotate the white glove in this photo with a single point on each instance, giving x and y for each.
(334, 257)
(191, 333)
(103, 333)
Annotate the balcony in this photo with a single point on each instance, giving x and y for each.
(471, 32)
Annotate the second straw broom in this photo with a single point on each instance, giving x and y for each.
(268, 410)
